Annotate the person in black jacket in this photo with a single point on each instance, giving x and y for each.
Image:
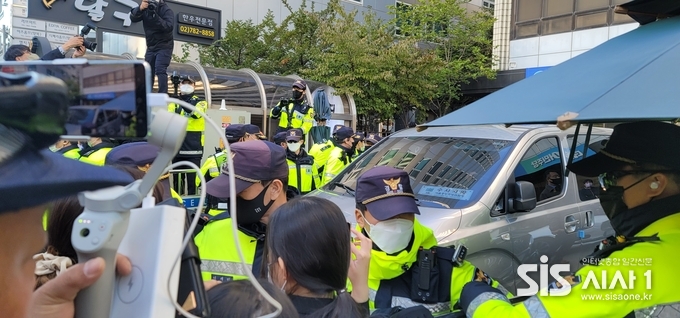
(19, 52)
(159, 21)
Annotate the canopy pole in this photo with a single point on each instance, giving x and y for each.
(573, 149)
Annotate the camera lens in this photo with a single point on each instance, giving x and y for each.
(84, 232)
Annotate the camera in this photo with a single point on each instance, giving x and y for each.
(85, 31)
(153, 5)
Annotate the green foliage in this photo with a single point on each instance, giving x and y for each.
(462, 40)
(439, 47)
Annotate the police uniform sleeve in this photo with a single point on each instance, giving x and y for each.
(308, 120)
(276, 111)
(333, 167)
(202, 106)
(587, 298)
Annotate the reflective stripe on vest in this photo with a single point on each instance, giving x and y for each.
(225, 267)
(484, 297)
(191, 152)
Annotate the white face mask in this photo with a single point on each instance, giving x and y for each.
(186, 89)
(391, 236)
(294, 147)
(53, 148)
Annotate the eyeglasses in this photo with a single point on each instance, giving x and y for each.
(611, 178)
(292, 141)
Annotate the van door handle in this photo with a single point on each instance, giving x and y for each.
(570, 224)
(590, 222)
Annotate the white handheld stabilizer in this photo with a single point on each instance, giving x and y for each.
(99, 230)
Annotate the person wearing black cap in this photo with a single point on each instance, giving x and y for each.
(359, 144)
(297, 113)
(261, 175)
(639, 173)
(372, 139)
(234, 133)
(341, 155)
(304, 174)
(192, 147)
(141, 155)
(385, 212)
(280, 139)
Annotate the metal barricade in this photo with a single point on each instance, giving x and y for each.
(180, 183)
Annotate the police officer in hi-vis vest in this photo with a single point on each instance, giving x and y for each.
(341, 155)
(192, 147)
(385, 212)
(297, 114)
(639, 173)
(261, 176)
(304, 173)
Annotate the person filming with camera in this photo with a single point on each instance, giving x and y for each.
(158, 20)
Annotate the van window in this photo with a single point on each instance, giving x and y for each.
(596, 142)
(542, 165)
(445, 172)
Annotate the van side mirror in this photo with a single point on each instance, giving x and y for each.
(524, 198)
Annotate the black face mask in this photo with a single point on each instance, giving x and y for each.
(611, 199)
(251, 211)
(555, 182)
(297, 94)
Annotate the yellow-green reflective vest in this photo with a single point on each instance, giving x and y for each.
(337, 161)
(652, 293)
(219, 258)
(385, 267)
(321, 152)
(195, 138)
(309, 176)
(212, 165)
(97, 158)
(299, 120)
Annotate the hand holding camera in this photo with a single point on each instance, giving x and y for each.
(144, 5)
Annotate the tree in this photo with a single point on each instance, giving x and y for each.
(461, 40)
(363, 59)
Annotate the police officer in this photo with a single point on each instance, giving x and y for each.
(639, 173)
(341, 155)
(304, 174)
(261, 176)
(385, 212)
(297, 114)
(67, 149)
(372, 139)
(141, 155)
(321, 151)
(280, 139)
(234, 133)
(359, 144)
(95, 151)
(192, 147)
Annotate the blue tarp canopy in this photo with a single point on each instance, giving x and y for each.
(635, 76)
(125, 102)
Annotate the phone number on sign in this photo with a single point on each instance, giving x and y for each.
(196, 31)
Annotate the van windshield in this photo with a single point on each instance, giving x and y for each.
(445, 172)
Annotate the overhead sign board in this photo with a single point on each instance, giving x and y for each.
(192, 23)
(30, 24)
(71, 30)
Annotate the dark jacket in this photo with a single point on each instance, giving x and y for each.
(158, 26)
(52, 55)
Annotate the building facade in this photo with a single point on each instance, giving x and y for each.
(532, 35)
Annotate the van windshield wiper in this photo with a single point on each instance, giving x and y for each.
(349, 190)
